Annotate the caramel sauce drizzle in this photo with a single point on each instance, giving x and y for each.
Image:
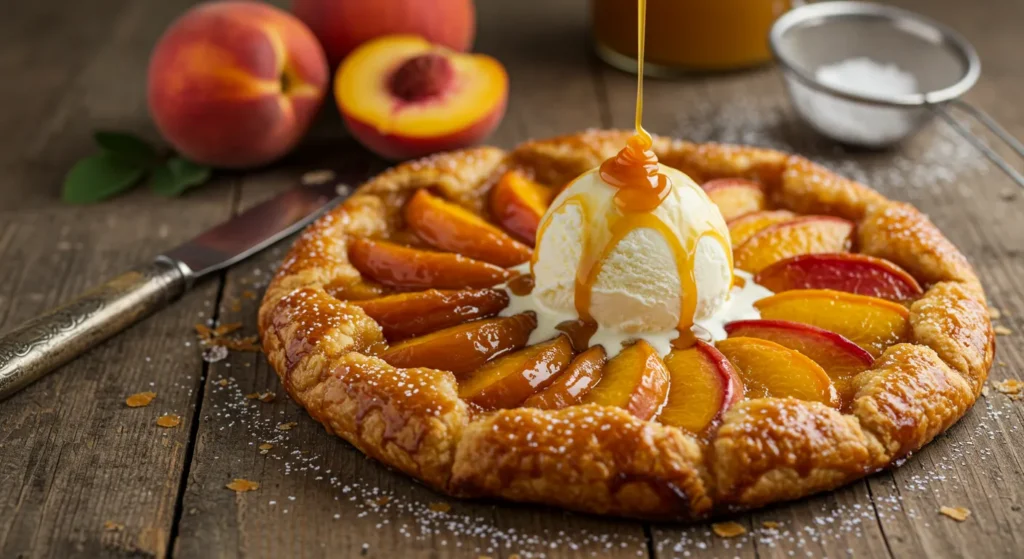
(641, 188)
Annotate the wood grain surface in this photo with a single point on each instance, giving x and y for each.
(82, 474)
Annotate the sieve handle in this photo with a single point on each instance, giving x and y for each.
(990, 123)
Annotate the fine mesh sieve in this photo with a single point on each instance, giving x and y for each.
(944, 64)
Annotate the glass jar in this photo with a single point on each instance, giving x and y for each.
(686, 35)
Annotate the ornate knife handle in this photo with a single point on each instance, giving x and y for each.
(51, 340)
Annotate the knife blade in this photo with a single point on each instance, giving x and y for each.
(46, 342)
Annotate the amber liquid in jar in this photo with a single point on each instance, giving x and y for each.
(686, 35)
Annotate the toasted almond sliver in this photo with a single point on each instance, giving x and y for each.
(253, 395)
(440, 506)
(223, 382)
(266, 446)
(383, 500)
(240, 485)
(728, 529)
(319, 176)
(770, 524)
(266, 397)
(994, 313)
(140, 400)
(112, 526)
(1002, 331)
(956, 513)
(168, 420)
(286, 426)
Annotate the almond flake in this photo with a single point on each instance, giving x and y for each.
(140, 400)
(770, 524)
(1009, 386)
(984, 391)
(956, 513)
(994, 313)
(286, 426)
(321, 176)
(266, 446)
(266, 397)
(223, 382)
(225, 329)
(252, 395)
(249, 294)
(111, 526)
(1002, 331)
(168, 420)
(728, 529)
(383, 500)
(440, 506)
(240, 485)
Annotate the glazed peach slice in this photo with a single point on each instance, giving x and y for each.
(573, 383)
(636, 380)
(872, 323)
(401, 266)
(463, 348)
(518, 203)
(744, 227)
(506, 381)
(803, 235)
(853, 273)
(704, 384)
(451, 227)
(405, 315)
(735, 197)
(770, 370)
(839, 357)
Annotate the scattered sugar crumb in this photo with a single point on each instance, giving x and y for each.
(140, 400)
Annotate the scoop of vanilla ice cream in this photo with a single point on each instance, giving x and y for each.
(638, 289)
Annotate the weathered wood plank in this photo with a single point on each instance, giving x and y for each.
(73, 455)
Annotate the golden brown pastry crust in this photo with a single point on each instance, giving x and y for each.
(599, 459)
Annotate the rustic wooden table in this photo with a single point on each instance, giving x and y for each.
(82, 474)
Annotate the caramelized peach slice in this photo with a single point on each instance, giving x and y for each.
(744, 227)
(872, 323)
(636, 380)
(839, 357)
(573, 383)
(507, 381)
(853, 273)
(400, 266)
(770, 370)
(451, 227)
(518, 203)
(405, 315)
(735, 197)
(803, 235)
(463, 348)
(704, 385)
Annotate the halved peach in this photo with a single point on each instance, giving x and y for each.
(405, 315)
(803, 235)
(839, 357)
(853, 273)
(507, 381)
(770, 370)
(518, 203)
(745, 226)
(403, 97)
(704, 385)
(401, 266)
(463, 348)
(735, 197)
(573, 383)
(451, 227)
(636, 380)
(872, 323)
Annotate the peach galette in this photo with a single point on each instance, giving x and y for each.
(396, 321)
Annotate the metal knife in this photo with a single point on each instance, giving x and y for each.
(44, 343)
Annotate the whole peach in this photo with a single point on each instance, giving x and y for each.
(236, 84)
(343, 25)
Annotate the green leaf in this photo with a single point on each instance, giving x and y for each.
(99, 177)
(177, 175)
(128, 147)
